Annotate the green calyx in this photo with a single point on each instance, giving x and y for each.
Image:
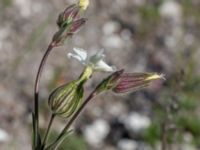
(86, 74)
(65, 100)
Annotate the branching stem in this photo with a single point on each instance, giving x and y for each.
(36, 93)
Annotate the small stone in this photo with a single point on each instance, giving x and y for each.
(187, 147)
(96, 132)
(24, 7)
(171, 9)
(136, 122)
(110, 27)
(187, 137)
(117, 110)
(113, 41)
(126, 144)
(4, 137)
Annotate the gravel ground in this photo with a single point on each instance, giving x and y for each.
(137, 35)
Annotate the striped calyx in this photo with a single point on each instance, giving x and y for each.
(130, 82)
(65, 100)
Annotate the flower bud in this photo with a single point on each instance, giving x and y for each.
(69, 14)
(65, 100)
(64, 32)
(76, 25)
(110, 82)
(130, 82)
(68, 23)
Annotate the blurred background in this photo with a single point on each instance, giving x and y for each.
(137, 35)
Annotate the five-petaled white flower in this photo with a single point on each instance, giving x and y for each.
(95, 61)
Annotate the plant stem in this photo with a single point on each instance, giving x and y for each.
(73, 118)
(47, 131)
(164, 136)
(36, 92)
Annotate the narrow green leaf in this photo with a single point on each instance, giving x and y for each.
(39, 145)
(56, 144)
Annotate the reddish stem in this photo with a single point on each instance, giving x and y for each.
(36, 91)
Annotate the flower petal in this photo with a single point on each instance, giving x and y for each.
(84, 4)
(79, 54)
(102, 66)
(95, 61)
(97, 57)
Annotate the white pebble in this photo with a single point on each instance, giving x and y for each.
(171, 9)
(113, 41)
(3, 136)
(96, 132)
(137, 122)
(110, 27)
(126, 144)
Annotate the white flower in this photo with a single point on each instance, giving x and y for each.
(94, 61)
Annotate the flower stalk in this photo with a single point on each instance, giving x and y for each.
(47, 131)
(36, 94)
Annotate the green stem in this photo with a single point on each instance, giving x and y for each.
(164, 137)
(73, 118)
(36, 94)
(47, 131)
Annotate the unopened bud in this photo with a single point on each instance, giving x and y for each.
(65, 100)
(69, 14)
(110, 82)
(68, 23)
(76, 25)
(130, 82)
(67, 31)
